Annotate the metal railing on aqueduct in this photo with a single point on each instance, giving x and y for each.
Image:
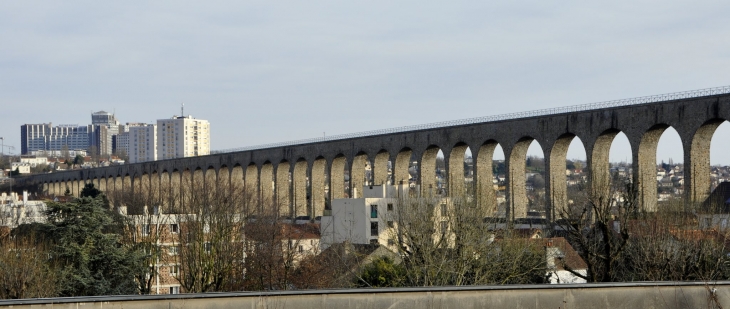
(483, 119)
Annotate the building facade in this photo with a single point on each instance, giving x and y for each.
(180, 137)
(142, 143)
(38, 137)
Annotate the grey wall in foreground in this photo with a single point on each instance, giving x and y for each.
(619, 295)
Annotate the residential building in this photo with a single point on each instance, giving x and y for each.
(142, 143)
(22, 167)
(714, 213)
(121, 140)
(560, 257)
(16, 210)
(161, 231)
(34, 160)
(370, 219)
(180, 137)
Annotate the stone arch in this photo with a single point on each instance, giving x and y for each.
(266, 180)
(427, 171)
(126, 188)
(337, 178)
(647, 167)
(103, 184)
(381, 176)
(319, 196)
(486, 195)
(457, 186)
(212, 185)
(558, 194)
(186, 188)
(283, 186)
(156, 195)
(299, 188)
(518, 200)
(697, 161)
(401, 176)
(175, 192)
(78, 186)
(358, 174)
(164, 188)
(252, 187)
(599, 164)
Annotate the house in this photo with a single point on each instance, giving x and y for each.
(22, 167)
(714, 213)
(563, 262)
(15, 211)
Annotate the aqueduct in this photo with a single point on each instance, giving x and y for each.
(296, 174)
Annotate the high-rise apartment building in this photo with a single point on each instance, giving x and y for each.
(142, 143)
(180, 137)
(122, 139)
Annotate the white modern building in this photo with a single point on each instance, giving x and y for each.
(370, 219)
(122, 139)
(142, 143)
(180, 137)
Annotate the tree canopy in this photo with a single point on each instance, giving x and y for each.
(91, 258)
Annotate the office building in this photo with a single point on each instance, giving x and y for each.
(106, 126)
(38, 137)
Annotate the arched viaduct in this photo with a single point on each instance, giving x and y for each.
(296, 175)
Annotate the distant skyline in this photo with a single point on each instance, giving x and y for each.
(264, 73)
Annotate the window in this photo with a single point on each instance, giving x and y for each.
(174, 290)
(145, 229)
(301, 249)
(390, 206)
(708, 222)
(444, 226)
(373, 228)
(723, 223)
(174, 270)
(173, 250)
(443, 210)
(207, 247)
(174, 228)
(373, 211)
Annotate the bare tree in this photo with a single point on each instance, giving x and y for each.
(211, 253)
(590, 228)
(446, 242)
(25, 269)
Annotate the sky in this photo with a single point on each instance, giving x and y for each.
(264, 72)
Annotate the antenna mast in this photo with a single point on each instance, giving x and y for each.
(182, 109)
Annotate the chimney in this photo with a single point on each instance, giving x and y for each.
(25, 197)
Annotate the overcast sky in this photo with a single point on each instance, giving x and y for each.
(262, 72)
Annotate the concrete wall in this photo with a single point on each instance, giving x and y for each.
(695, 119)
(617, 295)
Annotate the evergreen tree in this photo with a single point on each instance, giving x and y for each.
(91, 258)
